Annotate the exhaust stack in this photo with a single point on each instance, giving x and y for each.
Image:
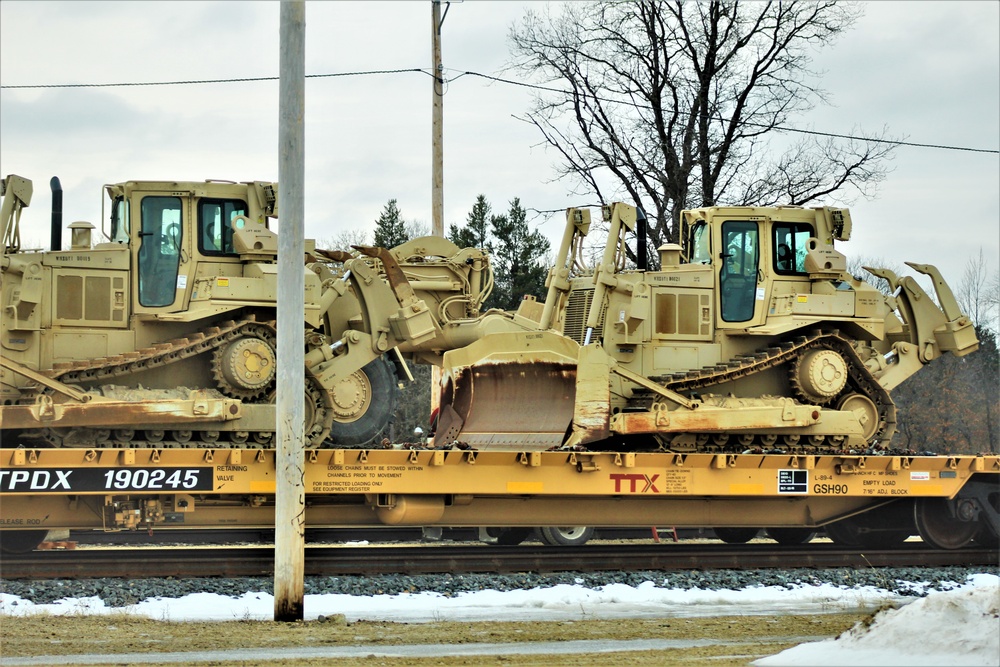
(57, 206)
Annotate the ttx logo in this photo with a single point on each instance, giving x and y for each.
(634, 480)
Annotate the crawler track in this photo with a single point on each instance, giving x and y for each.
(742, 366)
(320, 561)
(95, 372)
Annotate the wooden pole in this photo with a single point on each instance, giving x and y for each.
(289, 511)
(437, 146)
(437, 161)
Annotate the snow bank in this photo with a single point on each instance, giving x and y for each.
(561, 602)
(957, 627)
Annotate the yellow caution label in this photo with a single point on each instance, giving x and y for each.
(262, 487)
(524, 487)
(222, 282)
(803, 298)
(746, 489)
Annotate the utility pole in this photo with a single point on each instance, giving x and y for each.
(437, 156)
(289, 463)
(437, 124)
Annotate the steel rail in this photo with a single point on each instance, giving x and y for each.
(347, 560)
(230, 536)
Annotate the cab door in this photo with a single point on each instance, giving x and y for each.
(739, 273)
(160, 233)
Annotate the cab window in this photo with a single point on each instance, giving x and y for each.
(215, 225)
(790, 247)
(700, 251)
(159, 255)
(119, 221)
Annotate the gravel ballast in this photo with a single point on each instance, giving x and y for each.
(912, 581)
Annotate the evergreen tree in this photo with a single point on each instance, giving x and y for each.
(475, 233)
(518, 258)
(390, 230)
(516, 251)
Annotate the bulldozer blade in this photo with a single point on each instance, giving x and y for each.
(508, 405)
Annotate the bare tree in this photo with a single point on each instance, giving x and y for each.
(856, 267)
(416, 228)
(344, 239)
(676, 105)
(978, 292)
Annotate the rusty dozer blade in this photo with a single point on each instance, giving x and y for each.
(511, 391)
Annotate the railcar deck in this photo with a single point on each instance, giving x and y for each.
(123, 489)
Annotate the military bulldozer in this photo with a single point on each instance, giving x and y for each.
(751, 336)
(162, 333)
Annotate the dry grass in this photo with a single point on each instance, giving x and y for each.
(738, 639)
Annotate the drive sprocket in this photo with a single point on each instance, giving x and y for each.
(245, 367)
(818, 375)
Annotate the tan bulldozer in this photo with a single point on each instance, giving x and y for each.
(161, 331)
(751, 335)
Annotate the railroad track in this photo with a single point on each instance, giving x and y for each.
(228, 536)
(325, 561)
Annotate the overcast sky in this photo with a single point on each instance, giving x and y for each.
(929, 71)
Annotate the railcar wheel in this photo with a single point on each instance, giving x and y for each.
(364, 404)
(939, 527)
(791, 536)
(565, 537)
(738, 535)
(850, 533)
(21, 541)
(509, 537)
(845, 532)
(985, 537)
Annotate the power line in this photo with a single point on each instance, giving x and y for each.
(125, 84)
(777, 128)
(489, 77)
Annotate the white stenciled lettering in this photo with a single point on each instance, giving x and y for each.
(35, 480)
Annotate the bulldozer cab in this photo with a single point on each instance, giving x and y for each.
(760, 254)
(179, 232)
